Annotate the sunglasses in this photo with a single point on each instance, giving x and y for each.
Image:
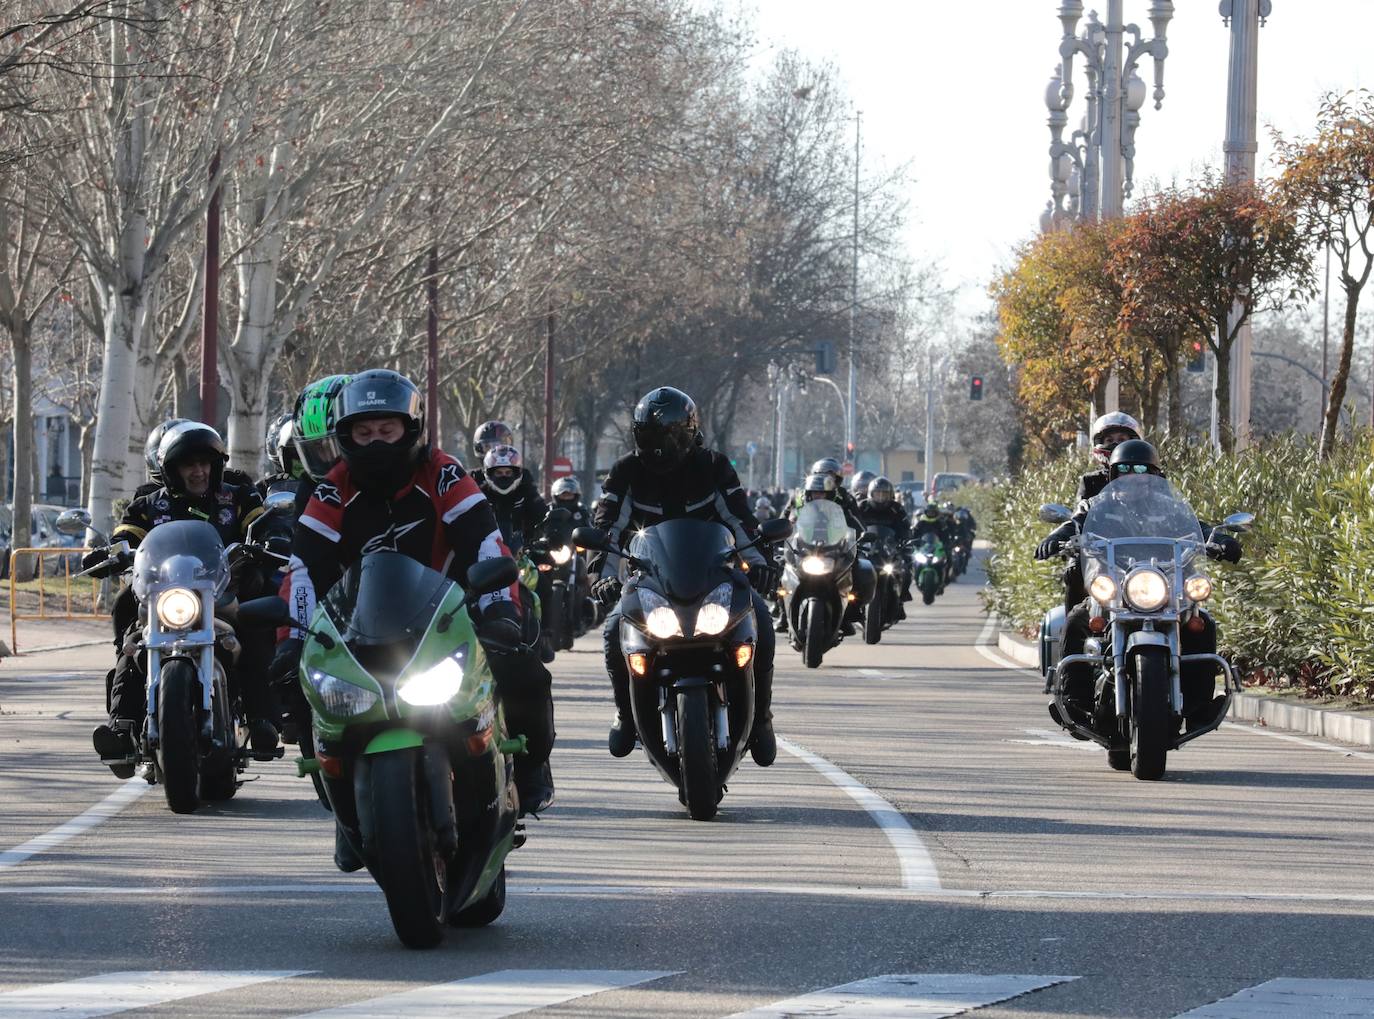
(1133, 468)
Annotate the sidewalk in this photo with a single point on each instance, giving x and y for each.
(39, 635)
(1352, 727)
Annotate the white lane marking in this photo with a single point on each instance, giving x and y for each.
(918, 869)
(570, 889)
(1312, 999)
(1046, 738)
(1335, 748)
(102, 811)
(985, 648)
(109, 993)
(876, 673)
(492, 995)
(928, 995)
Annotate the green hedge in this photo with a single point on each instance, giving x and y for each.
(1298, 608)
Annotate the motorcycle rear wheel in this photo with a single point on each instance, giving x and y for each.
(1151, 715)
(817, 633)
(697, 754)
(179, 736)
(409, 867)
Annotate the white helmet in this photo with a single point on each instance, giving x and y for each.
(1116, 421)
(502, 468)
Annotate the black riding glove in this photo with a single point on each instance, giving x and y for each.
(1055, 542)
(1225, 548)
(761, 579)
(500, 625)
(286, 662)
(607, 591)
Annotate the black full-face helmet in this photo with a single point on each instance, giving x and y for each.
(380, 393)
(183, 441)
(881, 491)
(489, 435)
(150, 447)
(666, 428)
(281, 451)
(1134, 456)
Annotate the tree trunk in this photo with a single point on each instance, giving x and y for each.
(1222, 393)
(1174, 378)
(114, 408)
(1341, 379)
(22, 378)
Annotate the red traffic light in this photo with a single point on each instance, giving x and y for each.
(975, 391)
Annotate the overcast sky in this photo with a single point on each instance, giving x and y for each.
(956, 89)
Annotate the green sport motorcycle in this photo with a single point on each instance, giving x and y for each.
(410, 738)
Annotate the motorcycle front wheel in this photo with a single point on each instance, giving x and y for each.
(178, 751)
(410, 868)
(817, 633)
(873, 616)
(697, 754)
(1151, 715)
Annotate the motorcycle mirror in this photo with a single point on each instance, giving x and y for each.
(1054, 513)
(280, 501)
(1239, 522)
(776, 529)
(75, 522)
(264, 612)
(593, 538)
(491, 575)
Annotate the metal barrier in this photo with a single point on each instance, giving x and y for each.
(40, 576)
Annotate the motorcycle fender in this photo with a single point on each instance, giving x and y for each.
(1146, 638)
(393, 739)
(865, 580)
(689, 682)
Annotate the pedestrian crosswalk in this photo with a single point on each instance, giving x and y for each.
(502, 993)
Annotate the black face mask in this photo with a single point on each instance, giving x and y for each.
(381, 467)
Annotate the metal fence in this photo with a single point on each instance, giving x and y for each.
(69, 604)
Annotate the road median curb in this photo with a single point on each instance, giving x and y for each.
(1273, 712)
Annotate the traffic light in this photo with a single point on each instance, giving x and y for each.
(975, 389)
(849, 451)
(825, 358)
(1197, 360)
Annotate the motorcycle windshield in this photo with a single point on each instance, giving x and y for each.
(186, 552)
(1144, 507)
(821, 522)
(687, 555)
(386, 599)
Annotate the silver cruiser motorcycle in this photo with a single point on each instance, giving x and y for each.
(1142, 553)
(194, 741)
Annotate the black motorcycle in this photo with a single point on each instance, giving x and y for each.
(563, 615)
(891, 559)
(688, 636)
(822, 577)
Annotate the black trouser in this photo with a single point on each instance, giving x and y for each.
(1198, 679)
(526, 691)
(1074, 591)
(763, 662)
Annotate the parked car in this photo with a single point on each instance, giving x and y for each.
(945, 482)
(43, 533)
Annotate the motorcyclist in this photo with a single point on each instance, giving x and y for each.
(567, 494)
(489, 435)
(1135, 456)
(763, 509)
(287, 469)
(190, 460)
(933, 521)
(150, 447)
(670, 475)
(392, 491)
(822, 485)
(846, 499)
(881, 509)
(859, 483)
(1109, 431)
(520, 513)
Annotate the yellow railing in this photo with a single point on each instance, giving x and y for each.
(69, 612)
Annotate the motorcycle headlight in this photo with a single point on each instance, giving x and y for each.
(889, 568)
(659, 618)
(1103, 589)
(1198, 587)
(1147, 590)
(561, 554)
(714, 614)
(341, 697)
(817, 565)
(920, 558)
(436, 685)
(178, 608)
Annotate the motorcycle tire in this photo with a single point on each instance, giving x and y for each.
(817, 633)
(873, 621)
(1119, 760)
(178, 750)
(486, 909)
(409, 867)
(551, 617)
(1152, 715)
(219, 774)
(697, 770)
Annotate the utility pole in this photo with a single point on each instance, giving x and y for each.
(432, 345)
(930, 424)
(548, 403)
(849, 420)
(1245, 17)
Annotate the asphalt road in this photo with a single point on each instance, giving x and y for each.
(926, 824)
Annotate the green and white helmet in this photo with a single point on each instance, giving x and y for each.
(314, 417)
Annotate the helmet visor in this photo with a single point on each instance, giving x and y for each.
(318, 455)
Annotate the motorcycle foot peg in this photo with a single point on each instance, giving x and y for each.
(519, 837)
(514, 745)
(307, 766)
